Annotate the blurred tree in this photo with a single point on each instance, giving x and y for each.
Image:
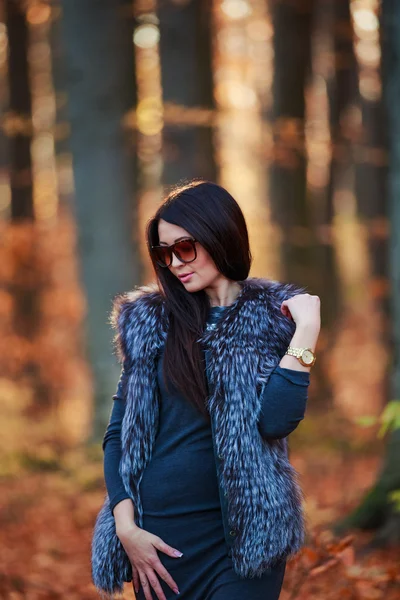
(100, 84)
(62, 130)
(20, 107)
(185, 51)
(304, 259)
(292, 26)
(376, 510)
(25, 286)
(342, 96)
(342, 90)
(371, 181)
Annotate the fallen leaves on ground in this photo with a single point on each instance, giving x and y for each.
(47, 519)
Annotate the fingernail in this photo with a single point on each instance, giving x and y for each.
(176, 591)
(177, 553)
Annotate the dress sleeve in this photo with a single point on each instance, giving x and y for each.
(112, 446)
(283, 402)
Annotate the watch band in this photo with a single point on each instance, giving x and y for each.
(298, 353)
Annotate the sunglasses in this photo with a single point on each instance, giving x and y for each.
(184, 250)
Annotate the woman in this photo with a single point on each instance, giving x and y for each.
(202, 499)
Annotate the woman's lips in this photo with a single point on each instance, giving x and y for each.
(186, 278)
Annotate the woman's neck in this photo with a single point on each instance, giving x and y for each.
(224, 293)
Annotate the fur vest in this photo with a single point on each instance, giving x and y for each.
(262, 505)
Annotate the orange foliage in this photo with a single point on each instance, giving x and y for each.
(47, 520)
(42, 309)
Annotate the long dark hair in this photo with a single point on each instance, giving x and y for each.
(213, 217)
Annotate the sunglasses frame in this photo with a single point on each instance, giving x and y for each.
(172, 249)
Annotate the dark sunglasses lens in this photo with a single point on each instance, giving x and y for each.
(163, 256)
(185, 251)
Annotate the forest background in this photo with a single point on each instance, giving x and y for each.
(294, 107)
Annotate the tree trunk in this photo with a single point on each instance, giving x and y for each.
(375, 510)
(61, 138)
(372, 194)
(25, 291)
(290, 203)
(97, 38)
(342, 90)
(292, 26)
(185, 51)
(21, 107)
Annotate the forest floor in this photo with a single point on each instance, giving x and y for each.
(47, 517)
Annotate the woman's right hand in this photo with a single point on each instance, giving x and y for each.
(141, 547)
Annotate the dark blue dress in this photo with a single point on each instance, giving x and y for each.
(179, 488)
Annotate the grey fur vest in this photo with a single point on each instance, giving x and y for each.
(264, 502)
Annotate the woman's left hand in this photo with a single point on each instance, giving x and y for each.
(304, 310)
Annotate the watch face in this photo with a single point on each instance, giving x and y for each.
(307, 357)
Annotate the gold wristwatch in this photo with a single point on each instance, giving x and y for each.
(305, 356)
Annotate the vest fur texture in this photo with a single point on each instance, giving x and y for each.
(264, 498)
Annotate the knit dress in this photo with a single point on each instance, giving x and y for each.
(179, 487)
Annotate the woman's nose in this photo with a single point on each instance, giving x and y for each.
(175, 261)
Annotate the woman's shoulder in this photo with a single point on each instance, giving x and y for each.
(269, 295)
(136, 316)
(283, 290)
(273, 289)
(140, 298)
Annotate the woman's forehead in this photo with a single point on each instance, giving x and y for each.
(169, 233)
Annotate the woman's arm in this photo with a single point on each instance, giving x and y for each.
(305, 336)
(283, 402)
(305, 311)
(112, 446)
(284, 397)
